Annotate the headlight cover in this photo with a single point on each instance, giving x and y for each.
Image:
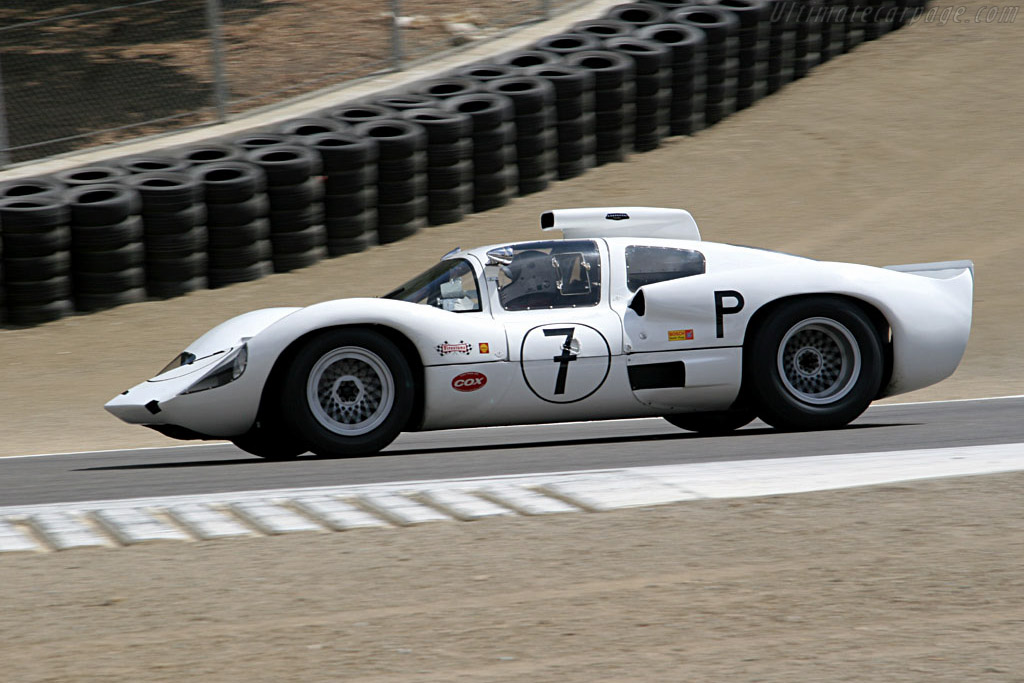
(224, 372)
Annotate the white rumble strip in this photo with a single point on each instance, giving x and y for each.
(117, 523)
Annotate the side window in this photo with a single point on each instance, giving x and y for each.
(647, 265)
(555, 274)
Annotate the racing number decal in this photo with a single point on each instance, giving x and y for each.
(721, 310)
(564, 358)
(565, 363)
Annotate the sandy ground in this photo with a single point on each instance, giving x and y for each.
(907, 150)
(918, 582)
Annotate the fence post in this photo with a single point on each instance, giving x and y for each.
(396, 36)
(5, 143)
(220, 89)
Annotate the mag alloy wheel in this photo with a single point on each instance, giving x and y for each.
(819, 361)
(350, 391)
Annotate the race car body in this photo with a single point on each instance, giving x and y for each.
(629, 314)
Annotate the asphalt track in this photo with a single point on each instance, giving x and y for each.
(218, 468)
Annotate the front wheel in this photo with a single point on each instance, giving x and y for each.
(269, 443)
(349, 392)
(814, 364)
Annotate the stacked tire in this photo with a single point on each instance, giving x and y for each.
(90, 175)
(636, 14)
(174, 232)
(574, 116)
(833, 29)
(525, 59)
(653, 88)
(614, 101)
(145, 164)
(295, 193)
(449, 162)
(350, 190)
(107, 252)
(495, 175)
(807, 45)
(754, 35)
(35, 239)
(401, 177)
(208, 153)
(720, 29)
(603, 29)
(309, 126)
(238, 231)
(354, 114)
(565, 44)
(536, 142)
(688, 59)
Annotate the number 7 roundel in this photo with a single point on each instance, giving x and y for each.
(565, 362)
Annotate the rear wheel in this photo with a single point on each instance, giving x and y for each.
(349, 392)
(814, 364)
(712, 423)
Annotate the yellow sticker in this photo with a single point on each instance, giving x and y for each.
(680, 335)
(485, 347)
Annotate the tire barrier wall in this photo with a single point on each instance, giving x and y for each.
(377, 171)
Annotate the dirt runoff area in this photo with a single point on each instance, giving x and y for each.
(916, 582)
(907, 150)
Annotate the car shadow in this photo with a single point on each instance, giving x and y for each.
(513, 445)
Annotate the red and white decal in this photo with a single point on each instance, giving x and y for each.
(469, 381)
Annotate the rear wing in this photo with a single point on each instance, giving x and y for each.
(940, 270)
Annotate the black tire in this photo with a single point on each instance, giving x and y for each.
(270, 442)
(221, 277)
(403, 101)
(712, 423)
(165, 191)
(286, 164)
(251, 141)
(311, 125)
(90, 175)
(483, 73)
(95, 205)
(815, 363)
(638, 14)
(87, 303)
(528, 58)
(30, 187)
(39, 313)
(353, 114)
(343, 151)
(208, 153)
(359, 422)
(297, 196)
(146, 164)
(396, 138)
(39, 213)
(112, 236)
(34, 268)
(610, 69)
(486, 110)
(109, 260)
(441, 125)
(238, 213)
(174, 222)
(42, 243)
(227, 182)
(603, 28)
(564, 44)
(446, 87)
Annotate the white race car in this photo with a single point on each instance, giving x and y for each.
(628, 315)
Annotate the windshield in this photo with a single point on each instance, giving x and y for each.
(450, 285)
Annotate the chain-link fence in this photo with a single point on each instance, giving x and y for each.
(76, 74)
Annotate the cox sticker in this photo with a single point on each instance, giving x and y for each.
(469, 381)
